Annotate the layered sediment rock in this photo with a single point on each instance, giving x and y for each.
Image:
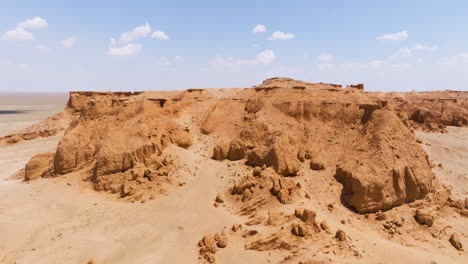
(363, 139)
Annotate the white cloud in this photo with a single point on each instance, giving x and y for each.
(21, 34)
(424, 48)
(159, 35)
(33, 23)
(394, 37)
(324, 57)
(42, 48)
(125, 51)
(278, 35)
(265, 57)
(259, 28)
(138, 32)
(409, 52)
(125, 47)
(18, 34)
(69, 42)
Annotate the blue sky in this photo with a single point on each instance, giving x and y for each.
(162, 45)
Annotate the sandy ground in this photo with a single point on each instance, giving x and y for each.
(18, 110)
(60, 221)
(451, 152)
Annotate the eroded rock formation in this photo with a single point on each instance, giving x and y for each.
(364, 140)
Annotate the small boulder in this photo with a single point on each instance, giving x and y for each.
(222, 242)
(309, 217)
(208, 240)
(221, 150)
(455, 241)
(315, 165)
(340, 235)
(325, 226)
(424, 218)
(301, 155)
(182, 138)
(299, 230)
(219, 199)
(283, 196)
(298, 212)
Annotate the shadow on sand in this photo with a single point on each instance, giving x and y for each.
(13, 112)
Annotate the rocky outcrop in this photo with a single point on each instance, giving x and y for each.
(359, 86)
(47, 128)
(118, 140)
(39, 166)
(431, 111)
(399, 173)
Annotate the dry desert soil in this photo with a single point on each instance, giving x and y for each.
(283, 172)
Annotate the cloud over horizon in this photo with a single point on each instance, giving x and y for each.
(33, 23)
(279, 35)
(259, 28)
(399, 36)
(69, 42)
(20, 33)
(159, 35)
(409, 52)
(126, 47)
(138, 32)
(125, 51)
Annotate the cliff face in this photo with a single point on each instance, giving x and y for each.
(118, 141)
(430, 111)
